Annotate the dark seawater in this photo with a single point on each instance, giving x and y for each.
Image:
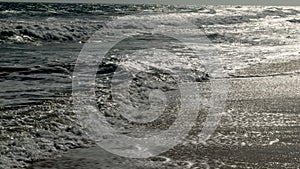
(40, 44)
(32, 74)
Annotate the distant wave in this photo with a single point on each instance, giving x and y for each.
(35, 22)
(46, 30)
(58, 9)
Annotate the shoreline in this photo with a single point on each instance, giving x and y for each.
(259, 129)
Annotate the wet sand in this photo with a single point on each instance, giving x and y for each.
(259, 129)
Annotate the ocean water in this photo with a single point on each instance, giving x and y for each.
(40, 44)
(32, 36)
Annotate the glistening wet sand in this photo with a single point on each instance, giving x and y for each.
(260, 129)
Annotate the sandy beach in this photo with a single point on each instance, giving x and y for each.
(260, 129)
